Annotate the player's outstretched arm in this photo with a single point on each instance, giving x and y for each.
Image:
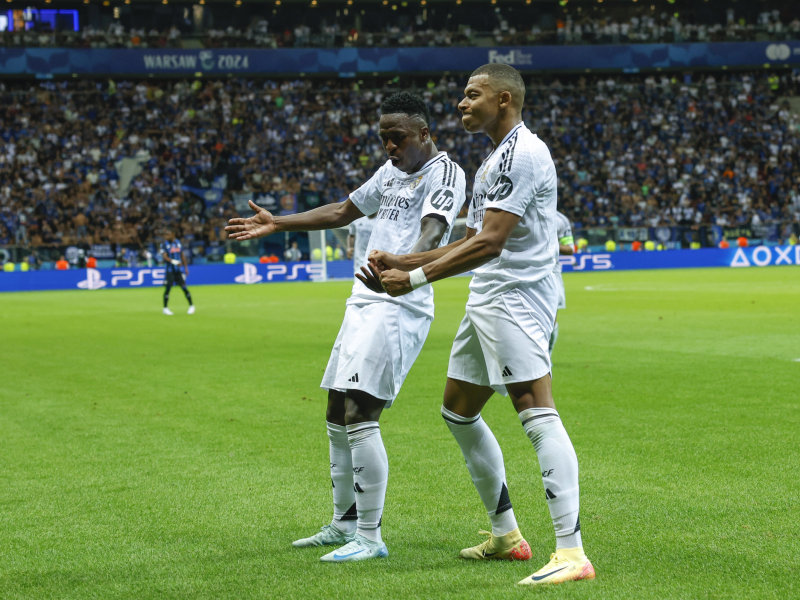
(383, 261)
(432, 229)
(471, 254)
(263, 223)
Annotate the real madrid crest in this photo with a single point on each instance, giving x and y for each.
(415, 183)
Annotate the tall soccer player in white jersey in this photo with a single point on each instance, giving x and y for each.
(502, 343)
(416, 196)
(566, 247)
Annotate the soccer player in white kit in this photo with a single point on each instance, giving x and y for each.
(502, 343)
(565, 248)
(357, 240)
(416, 196)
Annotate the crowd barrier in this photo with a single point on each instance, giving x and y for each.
(250, 273)
(48, 62)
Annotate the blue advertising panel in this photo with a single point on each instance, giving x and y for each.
(46, 62)
(251, 273)
(758, 256)
(97, 279)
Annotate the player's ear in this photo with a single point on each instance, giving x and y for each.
(504, 99)
(425, 134)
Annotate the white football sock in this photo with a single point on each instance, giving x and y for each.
(344, 497)
(559, 466)
(370, 474)
(485, 465)
(553, 338)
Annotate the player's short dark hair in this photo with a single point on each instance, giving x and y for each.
(408, 103)
(504, 78)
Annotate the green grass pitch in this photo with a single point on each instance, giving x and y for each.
(151, 457)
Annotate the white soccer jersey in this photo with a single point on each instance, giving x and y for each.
(564, 233)
(401, 201)
(361, 229)
(518, 177)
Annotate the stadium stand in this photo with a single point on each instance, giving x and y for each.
(115, 163)
(372, 24)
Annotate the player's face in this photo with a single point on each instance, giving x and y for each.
(480, 106)
(405, 139)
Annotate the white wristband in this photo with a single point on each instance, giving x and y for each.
(418, 279)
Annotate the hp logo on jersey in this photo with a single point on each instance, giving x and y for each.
(442, 200)
(501, 189)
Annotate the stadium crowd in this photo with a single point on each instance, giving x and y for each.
(338, 29)
(105, 163)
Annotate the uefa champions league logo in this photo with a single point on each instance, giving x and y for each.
(92, 281)
(250, 274)
(778, 51)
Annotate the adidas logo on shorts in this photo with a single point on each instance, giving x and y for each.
(507, 372)
(353, 379)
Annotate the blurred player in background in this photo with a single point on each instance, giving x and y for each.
(566, 247)
(175, 260)
(416, 197)
(502, 343)
(357, 241)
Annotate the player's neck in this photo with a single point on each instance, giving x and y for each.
(425, 159)
(501, 127)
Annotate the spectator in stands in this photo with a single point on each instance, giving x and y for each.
(292, 254)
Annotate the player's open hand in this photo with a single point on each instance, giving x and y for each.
(371, 278)
(396, 282)
(259, 225)
(383, 261)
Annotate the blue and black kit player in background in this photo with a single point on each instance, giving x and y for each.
(172, 253)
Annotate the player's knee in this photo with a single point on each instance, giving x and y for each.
(361, 408)
(353, 414)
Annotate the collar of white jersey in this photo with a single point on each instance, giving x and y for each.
(510, 133)
(436, 158)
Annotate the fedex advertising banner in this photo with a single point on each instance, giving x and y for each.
(249, 273)
(47, 62)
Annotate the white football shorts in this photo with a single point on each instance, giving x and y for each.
(562, 296)
(375, 349)
(506, 340)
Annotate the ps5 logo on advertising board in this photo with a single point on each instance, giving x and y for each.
(279, 272)
(590, 262)
(126, 275)
(515, 57)
(93, 280)
(250, 274)
(122, 278)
